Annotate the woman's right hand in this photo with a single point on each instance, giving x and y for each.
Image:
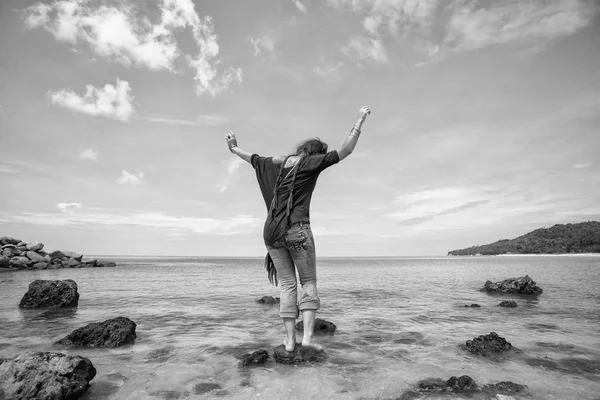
(231, 140)
(362, 114)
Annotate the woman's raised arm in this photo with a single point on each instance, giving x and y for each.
(350, 142)
(233, 147)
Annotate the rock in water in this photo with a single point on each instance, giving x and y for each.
(508, 303)
(487, 345)
(464, 384)
(300, 354)
(51, 294)
(269, 300)
(256, 358)
(474, 305)
(35, 246)
(321, 326)
(110, 333)
(45, 375)
(522, 285)
(505, 387)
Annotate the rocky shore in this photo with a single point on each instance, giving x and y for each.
(16, 254)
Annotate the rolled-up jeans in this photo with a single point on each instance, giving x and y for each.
(297, 248)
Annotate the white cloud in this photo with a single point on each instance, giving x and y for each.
(364, 48)
(110, 101)
(201, 120)
(328, 70)
(89, 154)
(233, 165)
(68, 207)
(301, 7)
(581, 166)
(227, 226)
(130, 179)
(263, 43)
(121, 34)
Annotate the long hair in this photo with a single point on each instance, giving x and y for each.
(311, 146)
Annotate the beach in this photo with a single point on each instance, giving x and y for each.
(399, 320)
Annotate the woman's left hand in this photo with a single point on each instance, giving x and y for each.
(231, 140)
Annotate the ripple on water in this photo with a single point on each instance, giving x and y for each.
(540, 327)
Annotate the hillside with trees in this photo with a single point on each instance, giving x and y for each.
(582, 237)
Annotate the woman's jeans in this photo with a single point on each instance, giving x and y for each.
(298, 248)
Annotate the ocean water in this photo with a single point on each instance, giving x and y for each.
(399, 321)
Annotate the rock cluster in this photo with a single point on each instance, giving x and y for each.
(257, 358)
(522, 285)
(45, 375)
(51, 294)
(463, 385)
(488, 345)
(269, 300)
(16, 254)
(114, 332)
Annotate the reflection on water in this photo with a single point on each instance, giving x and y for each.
(399, 321)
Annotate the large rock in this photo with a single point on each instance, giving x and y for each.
(257, 358)
(9, 240)
(35, 257)
(522, 285)
(51, 294)
(40, 265)
(4, 262)
(57, 254)
(19, 261)
(463, 386)
(72, 254)
(299, 355)
(45, 376)
(321, 326)
(488, 345)
(114, 332)
(70, 263)
(8, 246)
(35, 246)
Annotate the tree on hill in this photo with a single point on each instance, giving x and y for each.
(582, 237)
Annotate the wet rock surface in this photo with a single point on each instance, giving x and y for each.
(111, 333)
(321, 326)
(488, 345)
(202, 388)
(505, 387)
(45, 375)
(299, 355)
(463, 386)
(523, 285)
(508, 304)
(474, 305)
(258, 357)
(268, 300)
(51, 294)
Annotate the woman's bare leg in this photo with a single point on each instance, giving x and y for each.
(290, 333)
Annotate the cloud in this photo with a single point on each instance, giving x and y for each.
(68, 207)
(581, 166)
(201, 120)
(438, 28)
(227, 226)
(109, 101)
(263, 43)
(121, 34)
(364, 48)
(89, 154)
(301, 7)
(328, 70)
(233, 165)
(130, 179)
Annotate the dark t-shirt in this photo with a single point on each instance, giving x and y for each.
(306, 180)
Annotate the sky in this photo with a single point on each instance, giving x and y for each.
(484, 126)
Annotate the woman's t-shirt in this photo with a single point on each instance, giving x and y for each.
(306, 180)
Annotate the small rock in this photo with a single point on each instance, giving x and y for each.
(110, 333)
(508, 303)
(505, 387)
(35, 246)
(431, 385)
(464, 384)
(35, 257)
(474, 305)
(51, 294)
(202, 388)
(256, 358)
(106, 264)
(47, 258)
(40, 265)
(72, 254)
(321, 326)
(522, 285)
(269, 300)
(300, 354)
(57, 254)
(487, 345)
(45, 375)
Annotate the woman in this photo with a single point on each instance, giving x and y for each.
(287, 184)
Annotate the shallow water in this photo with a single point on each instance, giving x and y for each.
(399, 321)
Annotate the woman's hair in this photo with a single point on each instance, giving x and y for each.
(311, 147)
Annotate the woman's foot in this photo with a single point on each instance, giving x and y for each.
(309, 341)
(289, 344)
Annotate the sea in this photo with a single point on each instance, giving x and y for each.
(399, 320)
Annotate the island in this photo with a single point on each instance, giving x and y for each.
(583, 237)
